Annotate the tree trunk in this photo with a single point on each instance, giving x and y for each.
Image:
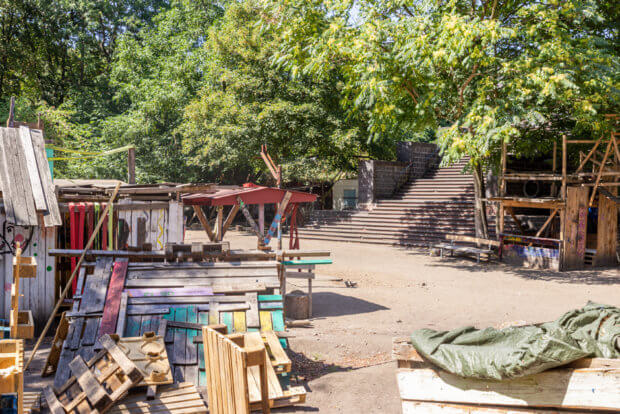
(480, 211)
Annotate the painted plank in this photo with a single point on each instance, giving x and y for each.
(227, 319)
(265, 321)
(113, 299)
(565, 388)
(239, 321)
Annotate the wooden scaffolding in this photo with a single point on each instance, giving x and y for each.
(593, 184)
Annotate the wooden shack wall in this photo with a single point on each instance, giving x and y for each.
(38, 293)
(161, 225)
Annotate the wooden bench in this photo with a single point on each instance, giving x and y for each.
(457, 244)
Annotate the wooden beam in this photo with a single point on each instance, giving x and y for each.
(564, 166)
(592, 151)
(278, 217)
(516, 220)
(261, 218)
(219, 223)
(598, 177)
(204, 222)
(249, 219)
(547, 222)
(229, 219)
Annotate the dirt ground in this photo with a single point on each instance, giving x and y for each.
(346, 354)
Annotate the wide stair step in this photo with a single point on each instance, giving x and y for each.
(422, 212)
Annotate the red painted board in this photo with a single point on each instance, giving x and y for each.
(90, 218)
(104, 229)
(73, 241)
(113, 298)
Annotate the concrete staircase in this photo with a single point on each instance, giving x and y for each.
(423, 211)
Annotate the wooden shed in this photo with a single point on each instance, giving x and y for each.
(30, 216)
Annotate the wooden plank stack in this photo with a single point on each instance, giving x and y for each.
(587, 384)
(156, 312)
(12, 370)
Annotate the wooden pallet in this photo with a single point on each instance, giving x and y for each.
(586, 384)
(22, 324)
(148, 353)
(95, 386)
(172, 399)
(12, 370)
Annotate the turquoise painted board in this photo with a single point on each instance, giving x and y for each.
(307, 262)
(50, 153)
(227, 319)
(269, 298)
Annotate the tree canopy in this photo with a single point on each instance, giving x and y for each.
(198, 86)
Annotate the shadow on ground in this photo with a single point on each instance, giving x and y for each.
(588, 277)
(326, 304)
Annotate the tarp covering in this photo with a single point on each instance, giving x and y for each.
(593, 331)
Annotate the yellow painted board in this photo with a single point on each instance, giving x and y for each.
(239, 321)
(265, 321)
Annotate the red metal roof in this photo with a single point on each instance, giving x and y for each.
(249, 194)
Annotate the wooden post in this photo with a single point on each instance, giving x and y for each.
(10, 122)
(261, 219)
(555, 157)
(14, 317)
(205, 223)
(219, 223)
(564, 166)
(131, 165)
(502, 191)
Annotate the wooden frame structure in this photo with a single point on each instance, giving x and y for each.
(572, 195)
(12, 370)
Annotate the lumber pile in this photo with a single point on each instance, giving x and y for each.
(12, 374)
(587, 384)
(154, 313)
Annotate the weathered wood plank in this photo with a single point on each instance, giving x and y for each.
(562, 388)
(40, 201)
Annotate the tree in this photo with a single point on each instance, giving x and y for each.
(491, 70)
(245, 102)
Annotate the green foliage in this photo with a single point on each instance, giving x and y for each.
(490, 70)
(244, 103)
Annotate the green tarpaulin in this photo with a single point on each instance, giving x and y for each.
(593, 331)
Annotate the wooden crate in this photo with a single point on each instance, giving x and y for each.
(95, 386)
(12, 370)
(232, 366)
(25, 325)
(587, 384)
(27, 266)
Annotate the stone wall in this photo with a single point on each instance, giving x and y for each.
(419, 154)
(379, 179)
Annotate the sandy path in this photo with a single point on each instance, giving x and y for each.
(347, 352)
